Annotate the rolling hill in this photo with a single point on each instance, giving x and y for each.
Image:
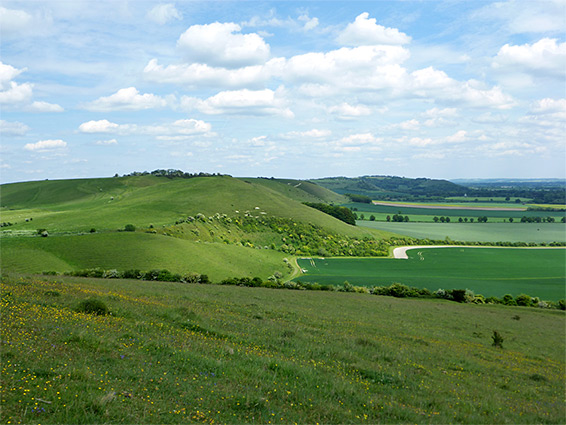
(182, 224)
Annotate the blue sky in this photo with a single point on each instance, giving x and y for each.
(439, 89)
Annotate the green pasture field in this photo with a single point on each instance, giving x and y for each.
(413, 213)
(174, 353)
(128, 250)
(487, 271)
(476, 232)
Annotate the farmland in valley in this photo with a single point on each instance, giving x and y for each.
(486, 271)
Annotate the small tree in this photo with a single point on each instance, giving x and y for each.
(372, 217)
(497, 339)
(130, 228)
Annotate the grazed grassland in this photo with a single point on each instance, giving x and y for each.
(173, 353)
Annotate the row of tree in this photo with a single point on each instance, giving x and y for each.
(171, 173)
(341, 213)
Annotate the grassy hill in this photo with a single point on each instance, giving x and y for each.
(177, 353)
(69, 209)
(109, 204)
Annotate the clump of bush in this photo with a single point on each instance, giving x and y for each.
(129, 228)
(93, 306)
(399, 290)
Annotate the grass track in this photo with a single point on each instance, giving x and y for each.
(486, 271)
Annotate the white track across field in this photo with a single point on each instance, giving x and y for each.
(401, 252)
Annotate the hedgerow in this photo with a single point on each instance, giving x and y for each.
(397, 290)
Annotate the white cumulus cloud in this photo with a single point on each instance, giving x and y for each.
(198, 75)
(40, 106)
(549, 105)
(128, 99)
(223, 44)
(365, 31)
(347, 111)
(100, 126)
(546, 56)
(10, 91)
(241, 102)
(45, 145)
(183, 127)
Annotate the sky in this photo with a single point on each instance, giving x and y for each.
(437, 89)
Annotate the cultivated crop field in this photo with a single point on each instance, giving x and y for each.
(177, 353)
(487, 271)
(415, 212)
(476, 232)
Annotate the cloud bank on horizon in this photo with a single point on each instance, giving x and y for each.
(438, 89)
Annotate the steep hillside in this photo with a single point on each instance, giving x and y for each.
(303, 190)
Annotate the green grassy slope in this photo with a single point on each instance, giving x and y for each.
(144, 201)
(303, 191)
(151, 200)
(174, 353)
(123, 251)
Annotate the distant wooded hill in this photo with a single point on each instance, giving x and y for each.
(540, 191)
(390, 187)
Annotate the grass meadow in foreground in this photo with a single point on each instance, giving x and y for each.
(174, 353)
(488, 271)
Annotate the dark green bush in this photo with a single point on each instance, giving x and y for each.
(508, 300)
(497, 339)
(130, 228)
(131, 274)
(398, 290)
(458, 295)
(92, 306)
(524, 300)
